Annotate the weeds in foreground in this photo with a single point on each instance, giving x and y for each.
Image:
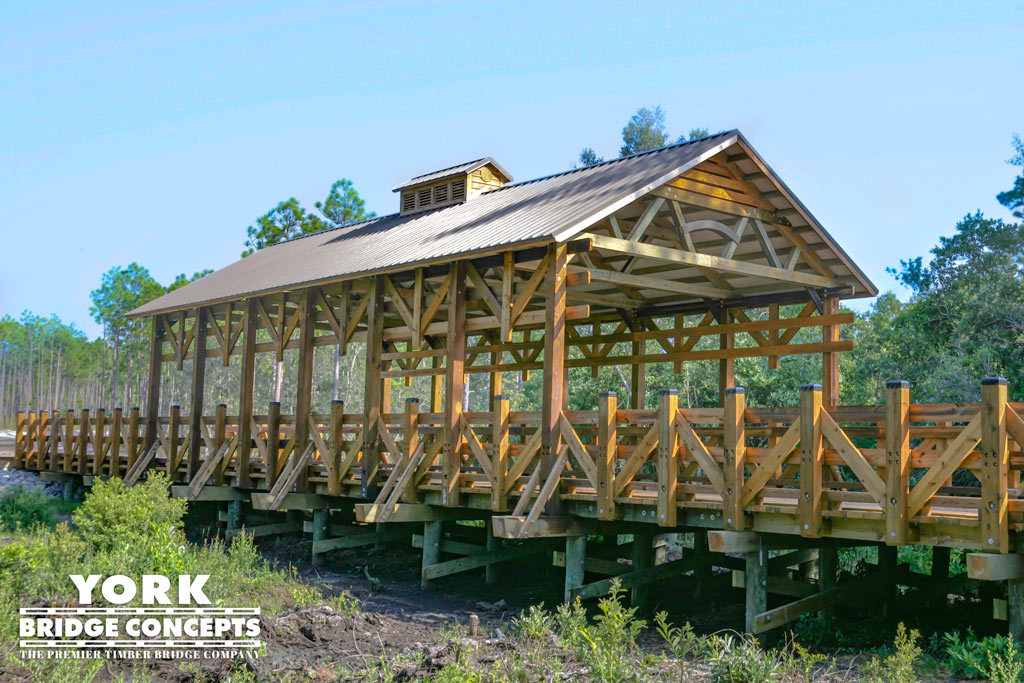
(898, 667)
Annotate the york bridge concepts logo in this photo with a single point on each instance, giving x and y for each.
(160, 630)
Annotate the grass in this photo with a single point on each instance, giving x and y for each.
(131, 531)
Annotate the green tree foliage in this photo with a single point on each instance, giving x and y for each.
(289, 219)
(644, 131)
(588, 157)
(183, 279)
(343, 205)
(1013, 199)
(284, 222)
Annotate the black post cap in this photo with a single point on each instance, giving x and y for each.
(501, 397)
(412, 400)
(337, 403)
(668, 392)
(993, 380)
(810, 387)
(734, 390)
(222, 405)
(275, 403)
(607, 394)
(897, 384)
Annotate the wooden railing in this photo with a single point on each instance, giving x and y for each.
(898, 472)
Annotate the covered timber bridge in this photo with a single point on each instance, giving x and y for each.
(696, 251)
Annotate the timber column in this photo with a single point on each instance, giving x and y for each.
(454, 386)
(245, 400)
(555, 393)
(198, 387)
(304, 387)
(372, 388)
(156, 345)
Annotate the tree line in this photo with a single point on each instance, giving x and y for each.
(963, 320)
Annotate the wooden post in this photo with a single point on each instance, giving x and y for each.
(454, 386)
(668, 453)
(735, 448)
(607, 453)
(83, 441)
(1015, 608)
(114, 466)
(773, 336)
(245, 394)
(575, 556)
(756, 581)
(995, 462)
(643, 558)
(897, 461)
(887, 562)
(638, 378)
(411, 436)
(810, 460)
(98, 441)
(493, 545)
(133, 437)
(828, 568)
(41, 441)
(372, 386)
(273, 442)
(20, 437)
(173, 439)
(54, 439)
(304, 383)
(198, 388)
(69, 440)
(156, 345)
(726, 366)
(830, 359)
(219, 437)
(499, 453)
(320, 516)
(554, 390)
(432, 535)
(337, 444)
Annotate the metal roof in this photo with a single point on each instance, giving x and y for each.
(555, 207)
(461, 169)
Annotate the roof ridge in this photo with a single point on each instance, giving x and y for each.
(613, 161)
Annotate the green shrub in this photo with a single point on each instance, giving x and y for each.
(22, 508)
(680, 641)
(968, 656)
(609, 649)
(1004, 666)
(741, 660)
(898, 667)
(114, 515)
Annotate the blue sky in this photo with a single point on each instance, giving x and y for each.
(157, 133)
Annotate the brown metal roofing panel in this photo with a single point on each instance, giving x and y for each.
(535, 210)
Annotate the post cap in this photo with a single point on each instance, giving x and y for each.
(734, 390)
(134, 407)
(175, 407)
(275, 403)
(501, 397)
(897, 384)
(117, 409)
(337, 403)
(810, 387)
(222, 405)
(668, 392)
(607, 394)
(412, 400)
(993, 380)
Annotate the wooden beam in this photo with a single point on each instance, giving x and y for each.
(897, 462)
(304, 381)
(995, 566)
(717, 263)
(372, 389)
(245, 398)
(995, 463)
(661, 284)
(156, 336)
